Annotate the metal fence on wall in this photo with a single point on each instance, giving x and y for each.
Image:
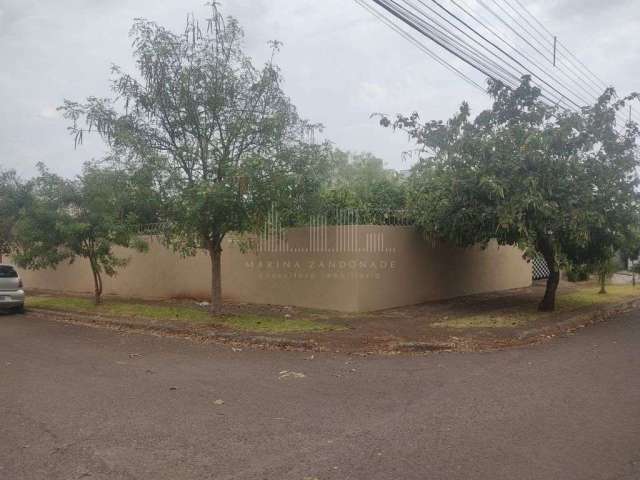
(540, 268)
(338, 217)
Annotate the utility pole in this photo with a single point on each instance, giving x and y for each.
(555, 49)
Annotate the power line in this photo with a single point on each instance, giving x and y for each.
(510, 27)
(484, 24)
(513, 78)
(478, 51)
(540, 37)
(535, 29)
(420, 45)
(461, 31)
(541, 78)
(587, 69)
(583, 80)
(438, 29)
(473, 39)
(516, 51)
(580, 82)
(498, 67)
(575, 68)
(437, 39)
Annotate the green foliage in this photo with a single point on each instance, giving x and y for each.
(578, 273)
(360, 182)
(605, 268)
(559, 183)
(224, 139)
(191, 316)
(583, 298)
(85, 217)
(14, 196)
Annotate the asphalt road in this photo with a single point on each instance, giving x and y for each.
(86, 403)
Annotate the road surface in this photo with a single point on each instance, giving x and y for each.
(86, 403)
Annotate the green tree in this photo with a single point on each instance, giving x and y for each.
(226, 141)
(81, 218)
(14, 196)
(598, 253)
(630, 252)
(635, 270)
(526, 174)
(359, 181)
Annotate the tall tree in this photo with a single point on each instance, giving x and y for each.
(14, 196)
(85, 217)
(360, 181)
(526, 174)
(220, 132)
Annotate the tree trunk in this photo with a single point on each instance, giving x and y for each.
(548, 303)
(215, 253)
(546, 248)
(603, 279)
(97, 282)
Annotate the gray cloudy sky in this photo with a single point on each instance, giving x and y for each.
(340, 65)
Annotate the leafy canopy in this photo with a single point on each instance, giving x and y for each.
(14, 195)
(360, 182)
(554, 182)
(84, 217)
(225, 141)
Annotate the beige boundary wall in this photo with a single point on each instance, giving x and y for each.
(350, 268)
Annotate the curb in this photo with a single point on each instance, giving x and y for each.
(238, 339)
(581, 320)
(235, 338)
(423, 347)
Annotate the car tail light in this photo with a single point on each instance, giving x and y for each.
(20, 283)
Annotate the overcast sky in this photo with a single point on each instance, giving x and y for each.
(340, 65)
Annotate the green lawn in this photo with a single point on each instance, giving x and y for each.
(191, 315)
(508, 317)
(588, 296)
(565, 302)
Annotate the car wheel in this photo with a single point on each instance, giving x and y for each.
(19, 309)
